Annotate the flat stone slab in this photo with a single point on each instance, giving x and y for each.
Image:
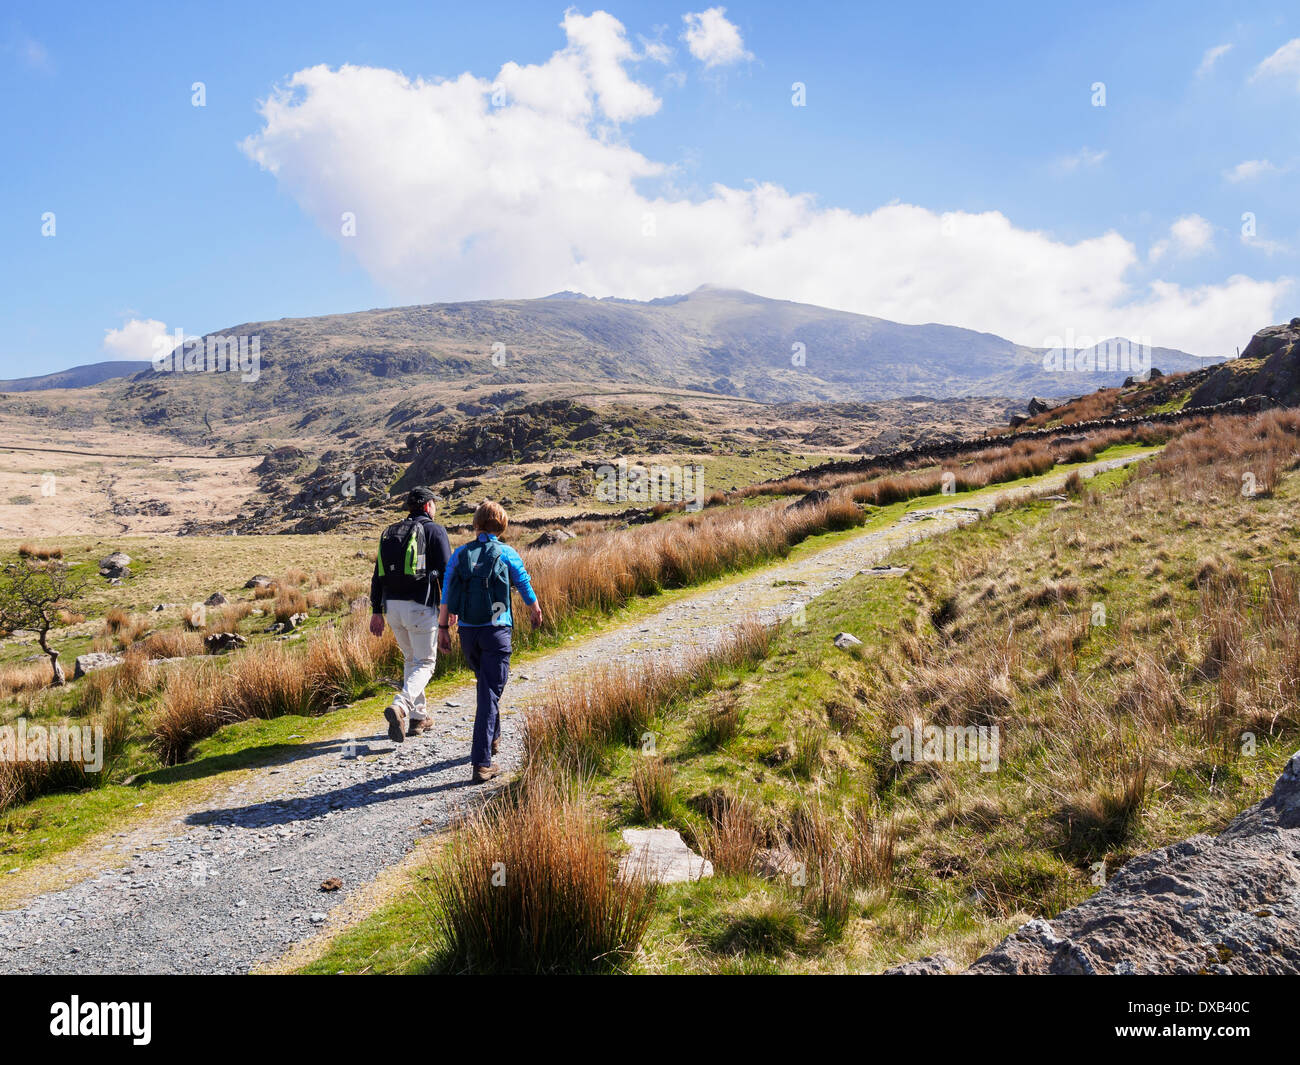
(662, 855)
(94, 660)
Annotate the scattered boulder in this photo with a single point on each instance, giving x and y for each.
(259, 581)
(1038, 406)
(158, 608)
(289, 624)
(115, 566)
(933, 965)
(813, 499)
(845, 640)
(661, 855)
(216, 599)
(552, 536)
(217, 642)
(92, 661)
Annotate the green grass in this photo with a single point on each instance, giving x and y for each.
(978, 852)
(38, 831)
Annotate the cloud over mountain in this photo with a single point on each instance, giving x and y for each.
(524, 183)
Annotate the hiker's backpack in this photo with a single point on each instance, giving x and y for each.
(403, 561)
(403, 548)
(480, 590)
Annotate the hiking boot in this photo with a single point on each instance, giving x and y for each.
(419, 725)
(396, 718)
(496, 744)
(484, 773)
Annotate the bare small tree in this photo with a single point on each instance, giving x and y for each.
(32, 593)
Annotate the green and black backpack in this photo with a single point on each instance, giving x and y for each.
(403, 561)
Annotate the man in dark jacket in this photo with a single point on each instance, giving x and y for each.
(410, 602)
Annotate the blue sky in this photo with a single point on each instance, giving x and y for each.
(948, 163)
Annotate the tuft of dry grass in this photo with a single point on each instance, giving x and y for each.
(734, 835)
(289, 601)
(270, 680)
(576, 722)
(172, 643)
(527, 885)
(24, 677)
(44, 554)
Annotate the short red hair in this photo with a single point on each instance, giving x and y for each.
(491, 518)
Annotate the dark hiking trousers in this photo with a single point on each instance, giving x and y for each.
(487, 650)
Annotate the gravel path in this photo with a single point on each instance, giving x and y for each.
(236, 882)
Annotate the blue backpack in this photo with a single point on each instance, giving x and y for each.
(480, 586)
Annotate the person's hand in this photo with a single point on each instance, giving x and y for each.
(444, 641)
(376, 624)
(535, 615)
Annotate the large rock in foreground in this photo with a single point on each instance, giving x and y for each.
(1206, 905)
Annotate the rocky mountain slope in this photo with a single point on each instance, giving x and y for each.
(76, 376)
(717, 341)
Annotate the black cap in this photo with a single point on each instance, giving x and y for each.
(416, 498)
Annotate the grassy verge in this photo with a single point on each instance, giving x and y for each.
(54, 823)
(1134, 645)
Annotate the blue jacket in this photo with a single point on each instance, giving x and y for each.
(518, 577)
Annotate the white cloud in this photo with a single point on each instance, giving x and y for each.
(1268, 247)
(1250, 169)
(1284, 62)
(713, 39)
(1083, 159)
(136, 339)
(456, 198)
(1188, 236)
(1212, 56)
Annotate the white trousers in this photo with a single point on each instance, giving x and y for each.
(415, 627)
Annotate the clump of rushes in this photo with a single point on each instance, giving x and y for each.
(652, 784)
(721, 723)
(528, 885)
(22, 781)
(270, 680)
(578, 721)
(734, 836)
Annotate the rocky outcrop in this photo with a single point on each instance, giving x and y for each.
(1269, 367)
(1228, 905)
(115, 566)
